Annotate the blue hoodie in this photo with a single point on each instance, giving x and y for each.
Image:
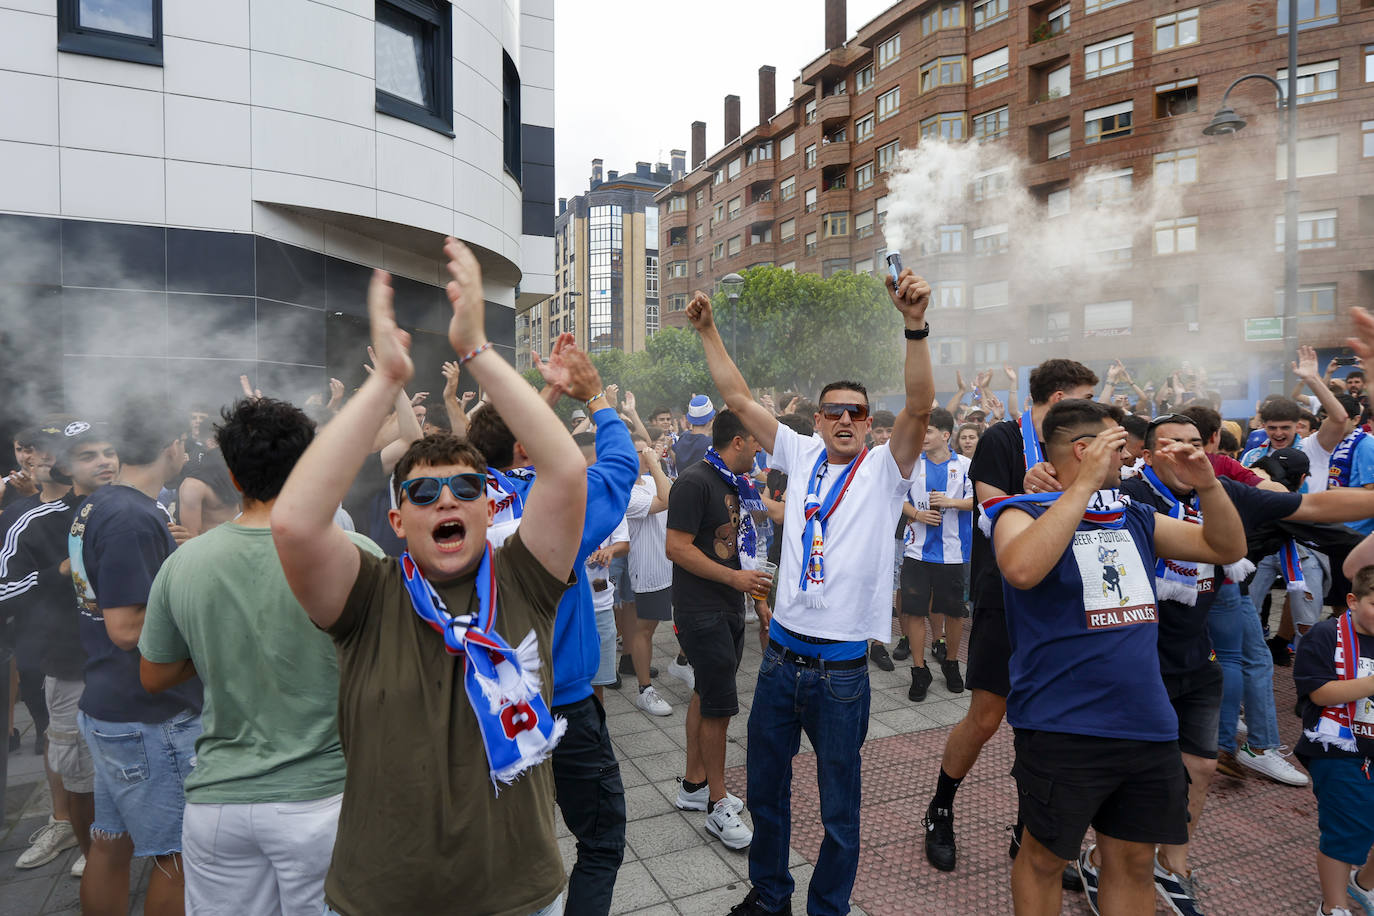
(576, 645)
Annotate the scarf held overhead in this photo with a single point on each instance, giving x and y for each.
(817, 512)
(518, 730)
(749, 501)
(1176, 580)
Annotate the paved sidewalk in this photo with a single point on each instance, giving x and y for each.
(1254, 852)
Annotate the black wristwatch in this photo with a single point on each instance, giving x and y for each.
(917, 335)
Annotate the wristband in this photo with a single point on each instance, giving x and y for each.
(588, 403)
(917, 335)
(462, 360)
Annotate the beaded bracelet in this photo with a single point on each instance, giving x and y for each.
(462, 360)
(588, 402)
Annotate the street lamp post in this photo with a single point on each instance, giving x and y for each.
(731, 284)
(1226, 121)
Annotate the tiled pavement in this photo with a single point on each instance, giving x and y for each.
(1254, 852)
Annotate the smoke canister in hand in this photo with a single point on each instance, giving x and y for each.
(894, 266)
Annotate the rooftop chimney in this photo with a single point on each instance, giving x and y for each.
(562, 205)
(642, 169)
(698, 143)
(768, 93)
(596, 172)
(836, 24)
(679, 163)
(731, 118)
(612, 175)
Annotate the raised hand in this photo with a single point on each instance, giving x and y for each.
(911, 295)
(336, 395)
(1189, 463)
(1103, 453)
(249, 391)
(612, 395)
(1306, 366)
(959, 380)
(390, 349)
(467, 330)
(451, 372)
(1363, 341)
(767, 401)
(1011, 374)
(982, 379)
(418, 398)
(699, 312)
(630, 403)
(468, 397)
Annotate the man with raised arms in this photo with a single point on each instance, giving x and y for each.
(444, 653)
(834, 594)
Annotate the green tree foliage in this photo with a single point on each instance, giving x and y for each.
(792, 331)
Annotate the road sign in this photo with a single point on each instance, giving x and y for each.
(1263, 329)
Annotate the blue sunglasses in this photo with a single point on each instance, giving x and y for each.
(422, 491)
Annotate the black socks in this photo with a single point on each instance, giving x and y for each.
(944, 791)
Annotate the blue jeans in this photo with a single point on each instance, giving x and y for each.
(1247, 671)
(832, 708)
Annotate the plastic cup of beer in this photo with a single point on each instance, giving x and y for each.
(770, 570)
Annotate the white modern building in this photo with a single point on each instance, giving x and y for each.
(194, 190)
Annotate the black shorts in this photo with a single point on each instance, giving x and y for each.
(1136, 791)
(989, 652)
(943, 581)
(1196, 696)
(713, 642)
(654, 605)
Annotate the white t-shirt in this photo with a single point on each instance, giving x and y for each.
(604, 599)
(650, 569)
(1319, 464)
(858, 543)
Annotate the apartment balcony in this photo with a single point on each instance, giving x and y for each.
(836, 247)
(1045, 108)
(673, 219)
(833, 154)
(1042, 173)
(760, 211)
(759, 170)
(759, 252)
(836, 200)
(832, 111)
(830, 64)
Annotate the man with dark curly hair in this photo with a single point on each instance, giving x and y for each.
(262, 804)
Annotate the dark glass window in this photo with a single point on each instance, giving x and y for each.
(414, 51)
(510, 107)
(120, 29)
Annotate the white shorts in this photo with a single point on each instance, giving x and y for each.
(68, 754)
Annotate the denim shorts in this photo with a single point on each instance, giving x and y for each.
(620, 579)
(139, 772)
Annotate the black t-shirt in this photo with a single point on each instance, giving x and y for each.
(999, 461)
(1184, 645)
(1315, 665)
(777, 488)
(702, 504)
(36, 593)
(118, 542)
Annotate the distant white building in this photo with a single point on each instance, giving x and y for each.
(191, 191)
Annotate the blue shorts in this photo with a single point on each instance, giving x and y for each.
(1345, 808)
(139, 773)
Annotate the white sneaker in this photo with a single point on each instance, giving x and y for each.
(751, 615)
(683, 673)
(1361, 896)
(724, 824)
(1272, 763)
(78, 867)
(700, 800)
(46, 842)
(649, 701)
(1338, 911)
(1242, 730)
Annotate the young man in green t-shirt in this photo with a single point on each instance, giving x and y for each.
(262, 804)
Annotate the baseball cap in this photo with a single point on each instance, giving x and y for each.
(700, 410)
(1286, 466)
(579, 414)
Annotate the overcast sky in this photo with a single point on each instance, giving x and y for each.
(632, 75)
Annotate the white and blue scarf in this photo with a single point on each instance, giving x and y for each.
(1106, 509)
(1337, 728)
(1030, 442)
(518, 730)
(1176, 580)
(1343, 460)
(749, 501)
(817, 512)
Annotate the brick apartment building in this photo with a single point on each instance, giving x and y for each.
(1070, 86)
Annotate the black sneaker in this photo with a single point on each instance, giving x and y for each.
(940, 849)
(879, 656)
(902, 651)
(1071, 880)
(627, 666)
(15, 740)
(920, 684)
(1087, 872)
(1015, 846)
(954, 681)
(752, 906)
(939, 650)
